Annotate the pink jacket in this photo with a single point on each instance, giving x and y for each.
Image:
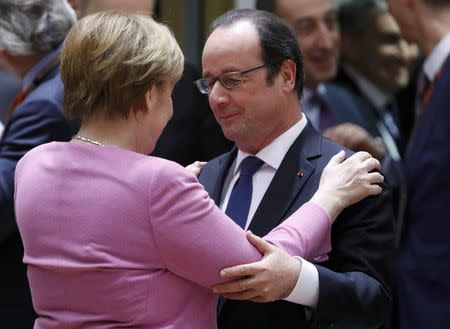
(116, 239)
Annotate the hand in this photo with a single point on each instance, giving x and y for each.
(272, 278)
(344, 183)
(356, 139)
(196, 167)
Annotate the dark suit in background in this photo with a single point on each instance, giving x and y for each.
(9, 87)
(392, 166)
(344, 106)
(356, 276)
(423, 266)
(192, 133)
(38, 119)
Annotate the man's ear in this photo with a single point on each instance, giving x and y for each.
(288, 72)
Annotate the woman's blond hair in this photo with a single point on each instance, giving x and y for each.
(110, 60)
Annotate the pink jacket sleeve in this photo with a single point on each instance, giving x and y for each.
(196, 239)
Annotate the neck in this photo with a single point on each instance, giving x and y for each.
(22, 64)
(254, 144)
(118, 132)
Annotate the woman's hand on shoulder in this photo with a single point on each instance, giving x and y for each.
(347, 181)
(196, 167)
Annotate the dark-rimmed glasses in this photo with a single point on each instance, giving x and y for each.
(230, 80)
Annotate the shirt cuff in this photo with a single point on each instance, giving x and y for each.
(306, 290)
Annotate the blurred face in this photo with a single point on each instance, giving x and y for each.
(405, 19)
(384, 54)
(252, 114)
(315, 23)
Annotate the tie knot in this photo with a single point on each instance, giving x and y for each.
(250, 165)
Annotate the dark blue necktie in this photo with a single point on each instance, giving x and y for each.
(241, 195)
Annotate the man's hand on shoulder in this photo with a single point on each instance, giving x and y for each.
(272, 278)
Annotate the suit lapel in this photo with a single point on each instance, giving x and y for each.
(290, 178)
(214, 178)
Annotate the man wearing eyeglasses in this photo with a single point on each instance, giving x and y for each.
(253, 76)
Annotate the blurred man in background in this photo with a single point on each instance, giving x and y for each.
(32, 33)
(422, 270)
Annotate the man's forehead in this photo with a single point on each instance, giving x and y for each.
(304, 8)
(231, 44)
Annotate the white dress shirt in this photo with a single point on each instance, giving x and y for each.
(434, 62)
(306, 291)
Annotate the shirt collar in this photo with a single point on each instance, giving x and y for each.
(38, 67)
(377, 96)
(273, 154)
(433, 63)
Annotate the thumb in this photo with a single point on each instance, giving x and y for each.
(259, 243)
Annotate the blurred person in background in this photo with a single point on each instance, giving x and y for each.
(375, 62)
(31, 34)
(330, 108)
(375, 66)
(422, 287)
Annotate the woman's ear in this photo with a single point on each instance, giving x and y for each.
(148, 97)
(288, 72)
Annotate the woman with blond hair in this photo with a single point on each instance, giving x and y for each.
(114, 238)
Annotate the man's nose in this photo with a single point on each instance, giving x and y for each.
(218, 95)
(405, 51)
(326, 37)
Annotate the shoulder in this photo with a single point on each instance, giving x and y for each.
(37, 154)
(212, 169)
(164, 172)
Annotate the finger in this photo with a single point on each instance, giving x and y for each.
(338, 157)
(371, 164)
(375, 189)
(259, 243)
(233, 286)
(360, 156)
(243, 270)
(375, 178)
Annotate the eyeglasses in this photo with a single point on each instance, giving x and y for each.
(230, 80)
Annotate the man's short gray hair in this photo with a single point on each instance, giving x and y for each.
(30, 26)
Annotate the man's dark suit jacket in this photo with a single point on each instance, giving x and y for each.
(354, 282)
(192, 133)
(423, 268)
(38, 119)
